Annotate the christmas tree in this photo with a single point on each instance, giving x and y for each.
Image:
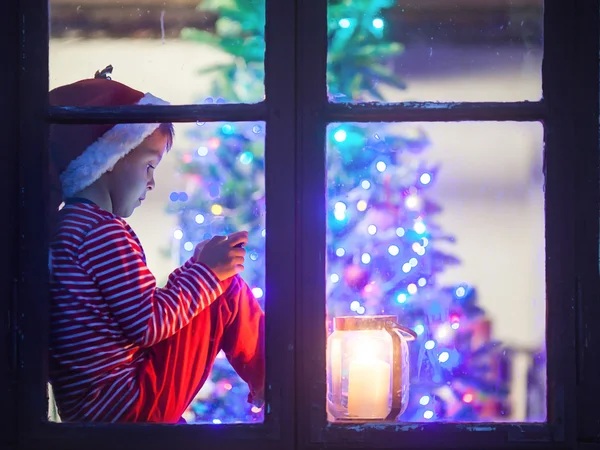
(382, 243)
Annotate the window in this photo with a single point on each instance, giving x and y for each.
(300, 118)
(342, 191)
(271, 119)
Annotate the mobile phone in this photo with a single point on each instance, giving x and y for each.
(222, 226)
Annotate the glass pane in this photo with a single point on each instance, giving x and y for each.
(435, 50)
(440, 225)
(179, 350)
(185, 51)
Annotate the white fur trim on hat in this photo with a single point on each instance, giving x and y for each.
(102, 155)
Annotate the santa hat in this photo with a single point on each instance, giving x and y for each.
(81, 154)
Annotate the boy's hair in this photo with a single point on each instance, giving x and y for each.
(169, 131)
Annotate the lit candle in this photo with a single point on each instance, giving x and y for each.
(369, 389)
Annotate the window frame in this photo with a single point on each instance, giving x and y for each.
(570, 97)
(587, 306)
(298, 112)
(9, 126)
(32, 298)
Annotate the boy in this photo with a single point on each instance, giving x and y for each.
(122, 349)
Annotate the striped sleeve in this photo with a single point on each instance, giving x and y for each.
(147, 314)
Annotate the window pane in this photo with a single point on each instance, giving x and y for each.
(187, 51)
(435, 50)
(210, 184)
(440, 225)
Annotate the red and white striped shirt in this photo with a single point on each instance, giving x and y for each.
(106, 308)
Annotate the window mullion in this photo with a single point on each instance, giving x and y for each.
(311, 47)
(171, 113)
(280, 150)
(435, 112)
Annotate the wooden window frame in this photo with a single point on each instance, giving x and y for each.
(31, 300)
(296, 112)
(569, 113)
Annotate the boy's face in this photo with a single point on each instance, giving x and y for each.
(133, 176)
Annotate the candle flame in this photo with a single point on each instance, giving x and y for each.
(365, 350)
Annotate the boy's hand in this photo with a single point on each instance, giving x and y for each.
(199, 248)
(223, 254)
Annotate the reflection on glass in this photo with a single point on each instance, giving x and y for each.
(435, 50)
(188, 51)
(211, 183)
(441, 226)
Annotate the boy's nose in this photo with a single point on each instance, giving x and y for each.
(151, 184)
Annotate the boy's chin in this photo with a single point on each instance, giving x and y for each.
(137, 204)
(126, 212)
(130, 213)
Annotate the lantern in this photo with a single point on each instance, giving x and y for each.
(367, 369)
